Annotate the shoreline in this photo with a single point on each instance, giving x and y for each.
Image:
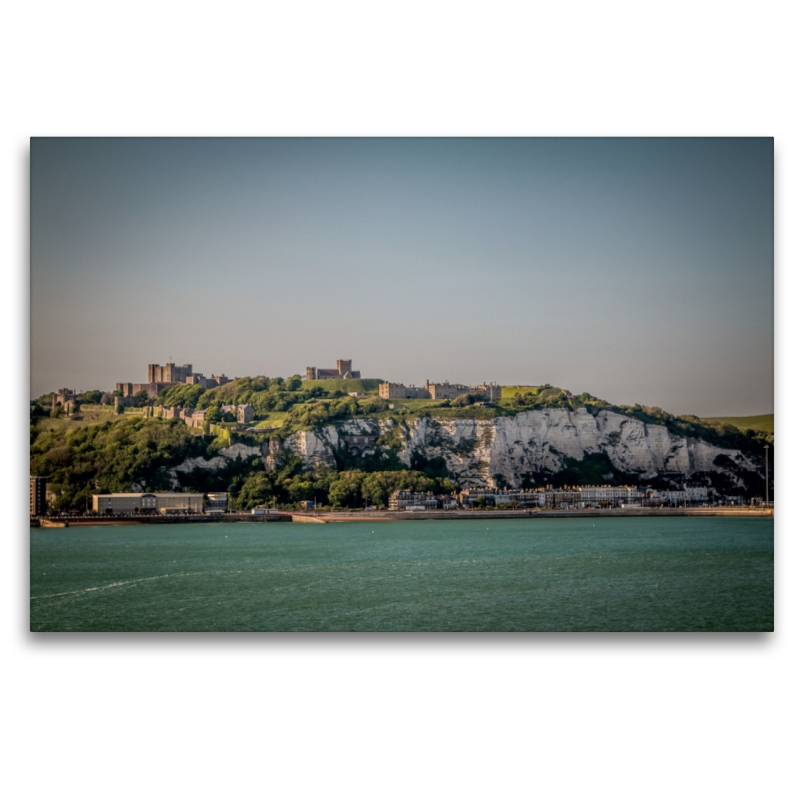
(394, 516)
(324, 517)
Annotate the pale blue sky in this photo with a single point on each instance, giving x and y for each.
(640, 270)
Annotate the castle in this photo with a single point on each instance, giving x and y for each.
(162, 377)
(344, 369)
(437, 391)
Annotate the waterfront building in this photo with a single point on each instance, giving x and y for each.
(402, 500)
(217, 502)
(695, 493)
(605, 496)
(38, 496)
(502, 498)
(521, 498)
(121, 503)
(562, 498)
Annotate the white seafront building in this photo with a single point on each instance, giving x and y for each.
(122, 503)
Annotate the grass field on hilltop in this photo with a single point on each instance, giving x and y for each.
(510, 391)
(368, 385)
(417, 404)
(760, 422)
(89, 418)
(273, 420)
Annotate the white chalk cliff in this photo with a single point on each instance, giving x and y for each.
(532, 441)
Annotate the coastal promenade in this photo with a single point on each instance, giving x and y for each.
(377, 516)
(389, 516)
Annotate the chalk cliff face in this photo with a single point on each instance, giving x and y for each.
(476, 451)
(220, 461)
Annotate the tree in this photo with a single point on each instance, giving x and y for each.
(345, 490)
(214, 413)
(91, 397)
(466, 399)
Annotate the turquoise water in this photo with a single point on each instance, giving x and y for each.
(639, 574)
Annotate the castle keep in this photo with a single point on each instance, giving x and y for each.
(162, 377)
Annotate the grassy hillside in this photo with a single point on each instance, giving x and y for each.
(510, 391)
(99, 451)
(415, 404)
(761, 422)
(84, 419)
(272, 420)
(368, 385)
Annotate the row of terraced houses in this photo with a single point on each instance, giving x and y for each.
(548, 497)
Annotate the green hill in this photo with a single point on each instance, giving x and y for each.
(97, 450)
(761, 422)
(367, 385)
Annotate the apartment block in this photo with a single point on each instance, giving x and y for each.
(38, 496)
(414, 501)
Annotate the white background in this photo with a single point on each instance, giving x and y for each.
(392, 715)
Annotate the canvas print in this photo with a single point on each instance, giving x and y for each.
(401, 384)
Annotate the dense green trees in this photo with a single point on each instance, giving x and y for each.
(266, 395)
(91, 398)
(186, 396)
(347, 489)
(109, 457)
(134, 452)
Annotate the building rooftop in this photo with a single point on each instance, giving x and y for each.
(157, 494)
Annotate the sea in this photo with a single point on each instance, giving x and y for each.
(579, 574)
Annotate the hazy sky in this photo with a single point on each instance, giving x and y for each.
(640, 270)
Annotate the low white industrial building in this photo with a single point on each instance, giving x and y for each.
(148, 503)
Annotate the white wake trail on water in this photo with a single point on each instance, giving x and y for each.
(114, 585)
